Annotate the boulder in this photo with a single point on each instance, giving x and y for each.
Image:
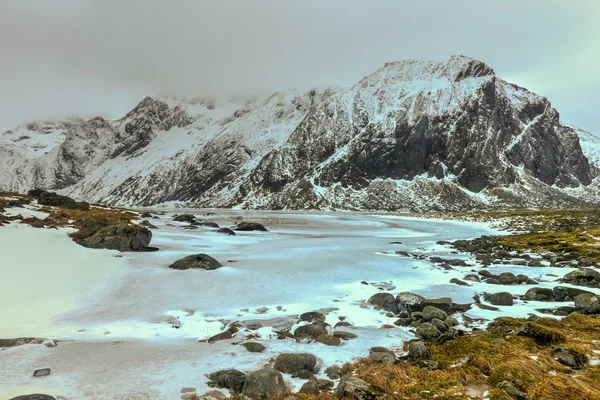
(310, 331)
(427, 332)
(539, 294)
(207, 223)
(249, 226)
(291, 363)
(184, 218)
(264, 384)
(430, 312)
(56, 200)
(443, 303)
(508, 278)
(220, 336)
(228, 379)
(312, 316)
(409, 302)
(304, 374)
(417, 351)
(196, 261)
(316, 386)
(451, 322)
(333, 372)
(458, 282)
(328, 340)
(583, 277)
(384, 301)
(588, 302)
(438, 323)
(34, 397)
(254, 347)
(472, 278)
(570, 357)
(382, 358)
(344, 335)
(226, 231)
(119, 237)
(564, 293)
(352, 387)
(499, 299)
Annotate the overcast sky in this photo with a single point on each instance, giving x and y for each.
(100, 57)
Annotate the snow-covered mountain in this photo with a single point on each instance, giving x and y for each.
(413, 135)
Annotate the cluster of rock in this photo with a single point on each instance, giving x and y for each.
(194, 222)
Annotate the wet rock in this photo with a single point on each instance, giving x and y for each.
(254, 347)
(384, 301)
(588, 302)
(228, 379)
(119, 237)
(291, 363)
(184, 218)
(333, 372)
(472, 278)
(249, 226)
(417, 351)
(220, 336)
(344, 335)
(583, 277)
(196, 261)
(508, 278)
(264, 384)
(409, 302)
(499, 299)
(564, 293)
(539, 294)
(312, 316)
(310, 331)
(430, 312)
(226, 231)
(328, 340)
(570, 357)
(458, 282)
(511, 390)
(427, 332)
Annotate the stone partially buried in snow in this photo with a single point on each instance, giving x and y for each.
(499, 299)
(226, 231)
(119, 237)
(196, 261)
(228, 379)
(292, 363)
(264, 384)
(249, 226)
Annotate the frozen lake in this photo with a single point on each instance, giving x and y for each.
(113, 309)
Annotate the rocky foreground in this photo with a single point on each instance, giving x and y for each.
(452, 356)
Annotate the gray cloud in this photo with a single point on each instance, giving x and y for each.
(61, 57)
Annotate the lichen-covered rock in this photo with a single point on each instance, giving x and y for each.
(290, 363)
(427, 332)
(119, 237)
(417, 351)
(351, 387)
(570, 357)
(264, 384)
(588, 302)
(430, 312)
(196, 261)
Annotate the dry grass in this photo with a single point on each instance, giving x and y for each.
(471, 365)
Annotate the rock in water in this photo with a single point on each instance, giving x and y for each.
(119, 237)
(264, 384)
(249, 226)
(196, 261)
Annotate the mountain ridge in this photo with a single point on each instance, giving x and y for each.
(414, 135)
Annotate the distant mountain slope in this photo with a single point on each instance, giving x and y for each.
(413, 135)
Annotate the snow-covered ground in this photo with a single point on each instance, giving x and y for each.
(111, 310)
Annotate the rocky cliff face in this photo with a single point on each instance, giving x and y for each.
(413, 135)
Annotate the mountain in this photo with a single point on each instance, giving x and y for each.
(414, 135)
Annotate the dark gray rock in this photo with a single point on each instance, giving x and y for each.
(226, 231)
(196, 261)
(264, 384)
(184, 218)
(588, 302)
(430, 312)
(333, 372)
(291, 363)
(228, 379)
(119, 237)
(427, 332)
(249, 226)
(310, 331)
(384, 301)
(583, 277)
(254, 347)
(312, 316)
(564, 293)
(499, 299)
(34, 397)
(443, 303)
(539, 294)
(508, 278)
(409, 302)
(569, 357)
(56, 200)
